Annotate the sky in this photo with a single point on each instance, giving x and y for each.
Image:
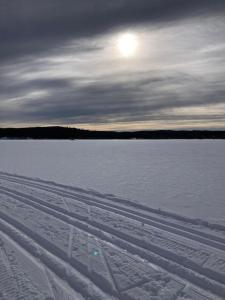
(113, 65)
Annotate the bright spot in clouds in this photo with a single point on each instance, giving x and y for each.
(127, 44)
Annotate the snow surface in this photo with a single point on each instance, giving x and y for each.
(185, 177)
(64, 243)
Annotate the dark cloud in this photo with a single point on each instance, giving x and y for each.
(29, 26)
(33, 89)
(16, 88)
(100, 101)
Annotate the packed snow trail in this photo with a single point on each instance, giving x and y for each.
(59, 242)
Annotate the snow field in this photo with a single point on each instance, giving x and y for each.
(185, 177)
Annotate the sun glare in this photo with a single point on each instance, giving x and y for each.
(127, 44)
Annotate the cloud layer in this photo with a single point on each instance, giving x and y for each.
(59, 65)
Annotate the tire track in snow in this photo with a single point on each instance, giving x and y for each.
(50, 211)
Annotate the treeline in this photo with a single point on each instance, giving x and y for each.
(74, 133)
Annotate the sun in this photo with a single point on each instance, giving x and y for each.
(127, 44)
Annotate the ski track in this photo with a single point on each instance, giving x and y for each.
(59, 242)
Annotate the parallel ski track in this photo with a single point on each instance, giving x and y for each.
(52, 261)
(186, 272)
(137, 206)
(209, 239)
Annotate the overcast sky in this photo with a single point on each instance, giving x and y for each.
(61, 64)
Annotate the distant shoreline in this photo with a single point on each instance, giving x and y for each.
(68, 133)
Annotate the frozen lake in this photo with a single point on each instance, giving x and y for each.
(187, 177)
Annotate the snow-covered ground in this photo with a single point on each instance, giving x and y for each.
(66, 243)
(186, 177)
(112, 220)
